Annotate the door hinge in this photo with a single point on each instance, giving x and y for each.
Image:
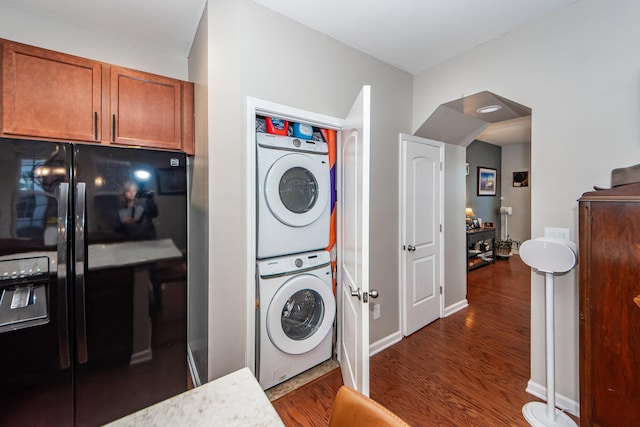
(441, 228)
(440, 290)
(441, 166)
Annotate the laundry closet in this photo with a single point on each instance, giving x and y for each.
(295, 197)
(308, 193)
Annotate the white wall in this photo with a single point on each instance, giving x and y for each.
(19, 27)
(258, 53)
(579, 71)
(516, 158)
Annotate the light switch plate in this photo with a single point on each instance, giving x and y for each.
(376, 311)
(557, 233)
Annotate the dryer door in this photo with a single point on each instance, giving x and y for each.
(297, 189)
(301, 314)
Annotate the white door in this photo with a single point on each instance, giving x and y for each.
(353, 244)
(421, 212)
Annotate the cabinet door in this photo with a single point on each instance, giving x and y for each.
(49, 94)
(145, 110)
(610, 313)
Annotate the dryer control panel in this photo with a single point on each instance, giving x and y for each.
(291, 143)
(293, 263)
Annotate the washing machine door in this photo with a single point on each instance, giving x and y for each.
(301, 314)
(297, 189)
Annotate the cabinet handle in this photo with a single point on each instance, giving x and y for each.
(113, 129)
(95, 125)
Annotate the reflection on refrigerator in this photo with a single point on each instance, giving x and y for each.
(92, 281)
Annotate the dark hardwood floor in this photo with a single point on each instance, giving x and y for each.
(469, 369)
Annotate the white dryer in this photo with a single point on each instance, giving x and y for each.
(296, 313)
(294, 203)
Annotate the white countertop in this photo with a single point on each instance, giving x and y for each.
(122, 254)
(131, 253)
(233, 400)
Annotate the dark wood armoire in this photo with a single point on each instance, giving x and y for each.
(609, 263)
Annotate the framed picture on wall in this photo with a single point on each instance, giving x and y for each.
(521, 179)
(487, 181)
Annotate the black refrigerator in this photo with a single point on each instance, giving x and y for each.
(93, 281)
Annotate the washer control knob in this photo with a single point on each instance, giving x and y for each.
(297, 142)
(298, 262)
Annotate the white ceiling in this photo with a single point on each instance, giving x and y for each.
(415, 34)
(409, 34)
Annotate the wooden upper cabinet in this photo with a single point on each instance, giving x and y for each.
(188, 118)
(146, 110)
(49, 94)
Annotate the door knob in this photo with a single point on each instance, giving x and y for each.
(373, 293)
(411, 248)
(356, 293)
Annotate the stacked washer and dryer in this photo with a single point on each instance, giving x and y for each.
(297, 306)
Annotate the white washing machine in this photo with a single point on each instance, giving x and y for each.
(296, 313)
(294, 203)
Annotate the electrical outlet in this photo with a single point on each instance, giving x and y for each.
(376, 311)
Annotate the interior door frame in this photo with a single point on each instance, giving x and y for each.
(401, 224)
(255, 107)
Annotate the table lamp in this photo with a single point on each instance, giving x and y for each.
(469, 213)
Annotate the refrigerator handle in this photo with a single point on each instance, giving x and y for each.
(63, 316)
(79, 256)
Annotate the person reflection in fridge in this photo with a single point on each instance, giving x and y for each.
(135, 220)
(136, 213)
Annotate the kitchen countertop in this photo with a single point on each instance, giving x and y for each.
(233, 400)
(121, 254)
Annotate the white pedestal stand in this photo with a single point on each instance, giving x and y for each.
(538, 414)
(548, 256)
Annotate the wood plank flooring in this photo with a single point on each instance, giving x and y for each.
(469, 369)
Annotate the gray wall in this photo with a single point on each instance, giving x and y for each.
(509, 159)
(251, 53)
(455, 259)
(559, 67)
(516, 158)
(489, 156)
(47, 34)
(199, 271)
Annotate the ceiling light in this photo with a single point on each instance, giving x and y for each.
(488, 109)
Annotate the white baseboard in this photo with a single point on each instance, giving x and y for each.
(396, 337)
(192, 368)
(562, 402)
(454, 308)
(384, 343)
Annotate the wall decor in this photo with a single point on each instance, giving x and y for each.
(521, 179)
(487, 181)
